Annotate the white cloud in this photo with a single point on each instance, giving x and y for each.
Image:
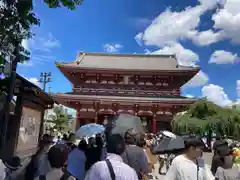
(223, 57)
(205, 37)
(40, 49)
(138, 39)
(238, 89)
(171, 26)
(27, 63)
(200, 79)
(34, 81)
(50, 41)
(25, 44)
(185, 57)
(226, 24)
(147, 51)
(216, 94)
(112, 48)
(227, 20)
(189, 96)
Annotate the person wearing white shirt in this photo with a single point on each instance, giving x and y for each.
(189, 165)
(113, 167)
(2, 170)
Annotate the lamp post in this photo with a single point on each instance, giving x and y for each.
(45, 78)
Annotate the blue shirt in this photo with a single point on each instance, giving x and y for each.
(76, 163)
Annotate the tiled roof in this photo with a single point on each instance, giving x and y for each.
(64, 96)
(126, 62)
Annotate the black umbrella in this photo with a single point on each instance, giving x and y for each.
(169, 145)
(191, 136)
(119, 124)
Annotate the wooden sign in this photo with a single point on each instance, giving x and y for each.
(29, 131)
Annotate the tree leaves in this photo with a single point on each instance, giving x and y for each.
(16, 20)
(60, 119)
(203, 116)
(70, 4)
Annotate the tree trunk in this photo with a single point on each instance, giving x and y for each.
(209, 137)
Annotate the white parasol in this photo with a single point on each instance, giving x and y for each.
(168, 134)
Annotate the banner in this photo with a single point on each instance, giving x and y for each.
(29, 130)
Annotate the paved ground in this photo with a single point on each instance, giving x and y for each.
(156, 176)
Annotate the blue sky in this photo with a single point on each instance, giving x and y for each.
(203, 33)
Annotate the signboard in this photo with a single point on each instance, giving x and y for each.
(29, 130)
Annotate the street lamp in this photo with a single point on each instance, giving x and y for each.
(45, 78)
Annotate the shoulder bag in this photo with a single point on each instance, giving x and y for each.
(110, 168)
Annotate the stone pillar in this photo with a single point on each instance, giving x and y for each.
(154, 124)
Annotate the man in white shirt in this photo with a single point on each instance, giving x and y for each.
(187, 166)
(2, 170)
(118, 170)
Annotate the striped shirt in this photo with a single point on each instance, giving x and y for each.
(122, 171)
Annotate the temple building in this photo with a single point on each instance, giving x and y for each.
(144, 85)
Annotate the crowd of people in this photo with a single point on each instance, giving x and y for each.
(102, 157)
(116, 157)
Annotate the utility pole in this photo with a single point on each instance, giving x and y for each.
(45, 78)
(49, 89)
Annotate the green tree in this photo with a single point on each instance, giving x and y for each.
(59, 120)
(17, 18)
(70, 4)
(205, 118)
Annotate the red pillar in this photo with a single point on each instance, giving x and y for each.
(96, 118)
(154, 124)
(78, 123)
